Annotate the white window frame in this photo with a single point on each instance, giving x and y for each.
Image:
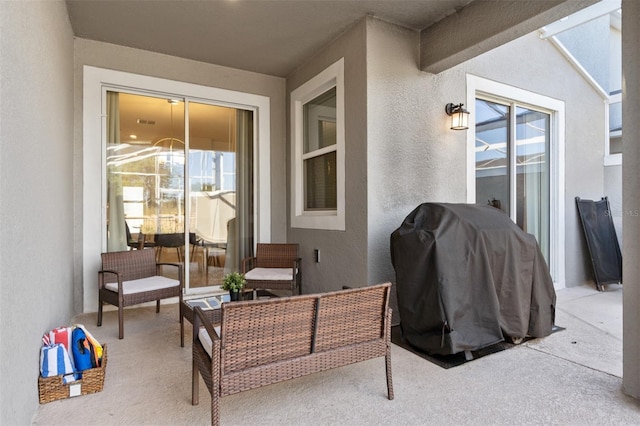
(484, 88)
(95, 81)
(333, 76)
(609, 158)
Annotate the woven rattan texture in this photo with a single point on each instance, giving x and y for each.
(132, 265)
(268, 341)
(52, 388)
(275, 255)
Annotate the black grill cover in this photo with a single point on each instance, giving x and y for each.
(466, 277)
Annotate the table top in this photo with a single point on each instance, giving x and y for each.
(207, 302)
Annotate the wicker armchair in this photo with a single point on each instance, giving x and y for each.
(274, 267)
(133, 277)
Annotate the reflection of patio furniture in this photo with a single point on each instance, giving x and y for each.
(212, 215)
(175, 240)
(213, 253)
(262, 342)
(137, 243)
(133, 277)
(195, 244)
(274, 267)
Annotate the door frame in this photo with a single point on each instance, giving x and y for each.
(95, 80)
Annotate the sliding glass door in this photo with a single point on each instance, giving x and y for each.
(179, 180)
(512, 152)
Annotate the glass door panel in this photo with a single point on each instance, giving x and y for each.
(145, 174)
(532, 174)
(146, 191)
(492, 154)
(220, 182)
(512, 167)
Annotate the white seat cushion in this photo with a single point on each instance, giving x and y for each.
(206, 340)
(143, 284)
(270, 274)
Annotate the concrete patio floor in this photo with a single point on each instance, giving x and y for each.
(572, 377)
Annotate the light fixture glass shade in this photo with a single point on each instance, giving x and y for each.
(459, 116)
(460, 120)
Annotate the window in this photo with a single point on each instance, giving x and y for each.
(515, 155)
(317, 129)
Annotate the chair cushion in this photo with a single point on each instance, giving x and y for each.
(206, 340)
(143, 284)
(270, 274)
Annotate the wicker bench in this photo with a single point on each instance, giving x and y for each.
(262, 342)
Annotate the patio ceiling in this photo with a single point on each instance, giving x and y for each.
(271, 37)
(276, 36)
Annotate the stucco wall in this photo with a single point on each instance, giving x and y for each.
(343, 253)
(613, 190)
(36, 104)
(413, 157)
(535, 65)
(110, 56)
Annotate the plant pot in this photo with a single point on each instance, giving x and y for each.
(234, 295)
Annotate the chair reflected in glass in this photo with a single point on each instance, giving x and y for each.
(173, 240)
(139, 242)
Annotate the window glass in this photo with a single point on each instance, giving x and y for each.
(146, 160)
(320, 165)
(492, 132)
(320, 121)
(320, 177)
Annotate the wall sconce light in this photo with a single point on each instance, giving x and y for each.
(459, 116)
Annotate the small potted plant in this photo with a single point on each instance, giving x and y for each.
(233, 282)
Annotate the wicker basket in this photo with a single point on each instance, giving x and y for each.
(53, 389)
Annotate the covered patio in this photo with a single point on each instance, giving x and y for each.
(396, 117)
(570, 377)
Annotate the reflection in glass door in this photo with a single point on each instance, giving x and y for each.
(512, 165)
(145, 174)
(147, 186)
(220, 190)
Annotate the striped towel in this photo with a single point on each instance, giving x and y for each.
(54, 361)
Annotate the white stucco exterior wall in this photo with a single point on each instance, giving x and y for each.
(631, 195)
(613, 190)
(343, 253)
(414, 157)
(36, 192)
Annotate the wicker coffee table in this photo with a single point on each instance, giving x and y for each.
(210, 305)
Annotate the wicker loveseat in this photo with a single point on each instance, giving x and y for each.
(261, 342)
